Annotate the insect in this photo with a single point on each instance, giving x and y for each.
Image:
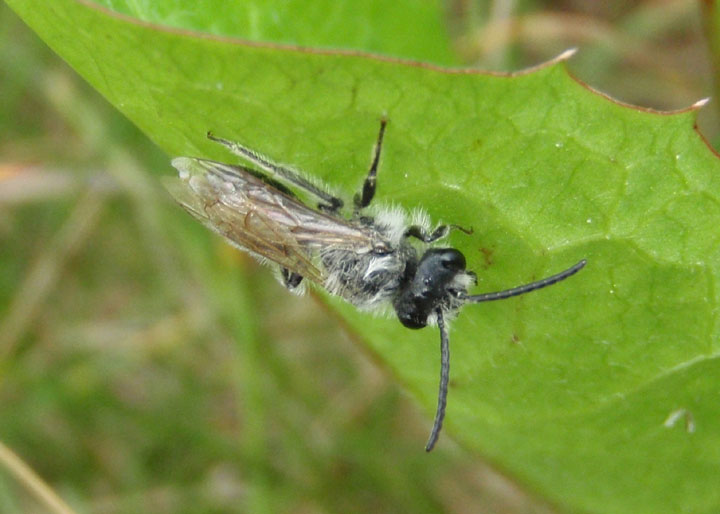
(376, 258)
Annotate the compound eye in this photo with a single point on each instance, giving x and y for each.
(452, 259)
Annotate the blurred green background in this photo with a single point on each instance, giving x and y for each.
(128, 388)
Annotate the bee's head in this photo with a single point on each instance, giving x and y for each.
(436, 276)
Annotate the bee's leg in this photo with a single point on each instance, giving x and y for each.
(329, 203)
(365, 196)
(440, 232)
(290, 279)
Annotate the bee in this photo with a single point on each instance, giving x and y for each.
(376, 258)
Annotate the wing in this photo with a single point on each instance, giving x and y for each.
(260, 219)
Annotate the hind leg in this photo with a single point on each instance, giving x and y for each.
(328, 203)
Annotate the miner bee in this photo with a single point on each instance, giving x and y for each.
(376, 258)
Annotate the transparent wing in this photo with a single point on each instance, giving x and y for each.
(259, 218)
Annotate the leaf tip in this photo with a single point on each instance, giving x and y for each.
(561, 58)
(699, 104)
(566, 55)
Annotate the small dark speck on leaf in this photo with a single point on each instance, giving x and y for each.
(487, 256)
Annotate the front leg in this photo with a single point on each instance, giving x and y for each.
(440, 232)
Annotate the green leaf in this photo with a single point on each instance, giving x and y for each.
(405, 28)
(600, 393)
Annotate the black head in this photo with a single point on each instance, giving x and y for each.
(424, 291)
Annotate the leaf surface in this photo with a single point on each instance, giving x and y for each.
(600, 393)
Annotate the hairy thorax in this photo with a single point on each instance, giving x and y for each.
(367, 280)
